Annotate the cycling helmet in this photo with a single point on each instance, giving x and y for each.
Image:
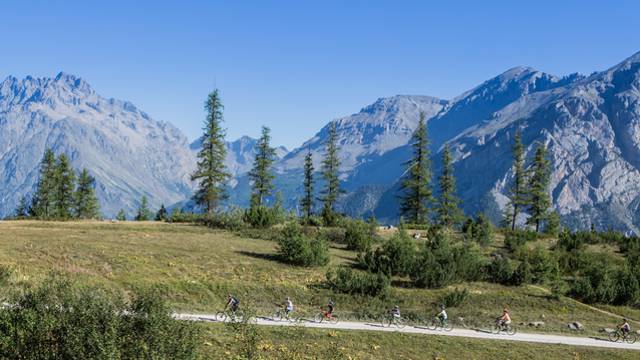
(442, 306)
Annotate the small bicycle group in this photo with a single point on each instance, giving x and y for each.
(393, 317)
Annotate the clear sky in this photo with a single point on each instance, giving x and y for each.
(295, 65)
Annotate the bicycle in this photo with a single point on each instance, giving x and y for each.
(389, 319)
(325, 316)
(437, 322)
(235, 316)
(281, 314)
(619, 335)
(499, 327)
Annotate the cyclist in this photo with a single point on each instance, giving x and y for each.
(288, 306)
(395, 312)
(625, 327)
(330, 306)
(232, 303)
(505, 319)
(442, 315)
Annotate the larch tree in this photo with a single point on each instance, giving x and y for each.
(65, 188)
(121, 216)
(86, 202)
(211, 172)
(144, 213)
(448, 211)
(261, 174)
(43, 201)
(161, 215)
(307, 200)
(539, 199)
(415, 185)
(330, 173)
(518, 192)
(22, 211)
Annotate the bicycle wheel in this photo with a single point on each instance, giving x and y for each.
(318, 318)
(614, 336)
(511, 330)
(447, 326)
(433, 324)
(631, 338)
(333, 319)
(401, 323)
(221, 316)
(496, 329)
(386, 321)
(277, 316)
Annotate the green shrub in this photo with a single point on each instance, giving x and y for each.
(553, 224)
(522, 274)
(435, 264)
(544, 266)
(333, 235)
(298, 249)
(262, 217)
(347, 281)
(228, 220)
(395, 257)
(359, 235)
(515, 239)
(455, 297)
(482, 230)
(59, 320)
(312, 221)
(500, 270)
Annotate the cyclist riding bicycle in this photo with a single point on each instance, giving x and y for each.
(395, 312)
(625, 327)
(232, 303)
(505, 319)
(288, 306)
(442, 315)
(330, 306)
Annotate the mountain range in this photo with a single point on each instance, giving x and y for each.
(590, 124)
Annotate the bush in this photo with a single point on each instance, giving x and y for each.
(598, 285)
(500, 270)
(553, 224)
(262, 217)
(515, 239)
(359, 235)
(455, 297)
(347, 281)
(544, 266)
(313, 220)
(435, 265)
(229, 220)
(482, 230)
(61, 321)
(298, 249)
(333, 235)
(522, 274)
(395, 257)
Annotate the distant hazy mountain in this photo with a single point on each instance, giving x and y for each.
(128, 153)
(590, 124)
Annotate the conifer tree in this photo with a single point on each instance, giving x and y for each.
(539, 200)
(307, 200)
(42, 205)
(448, 211)
(330, 173)
(416, 183)
(161, 215)
(553, 224)
(22, 211)
(65, 188)
(122, 216)
(144, 213)
(518, 194)
(86, 206)
(261, 175)
(211, 172)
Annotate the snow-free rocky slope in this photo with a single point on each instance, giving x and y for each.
(590, 124)
(128, 153)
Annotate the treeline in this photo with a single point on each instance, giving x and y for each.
(60, 193)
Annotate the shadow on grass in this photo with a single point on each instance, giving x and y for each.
(255, 255)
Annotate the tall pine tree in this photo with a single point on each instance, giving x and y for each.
(307, 200)
(539, 199)
(22, 211)
(211, 172)
(42, 205)
(65, 188)
(144, 213)
(448, 211)
(415, 186)
(86, 202)
(261, 175)
(518, 191)
(162, 215)
(330, 173)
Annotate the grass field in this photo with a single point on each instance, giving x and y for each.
(199, 266)
(300, 343)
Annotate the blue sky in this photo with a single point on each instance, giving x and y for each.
(295, 65)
